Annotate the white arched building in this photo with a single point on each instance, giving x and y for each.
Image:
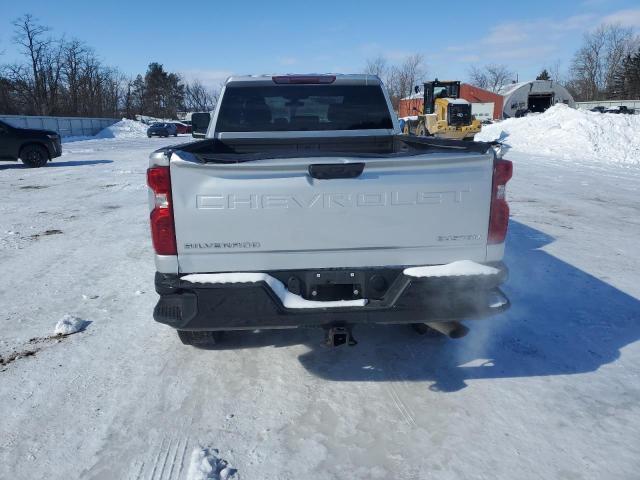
(533, 96)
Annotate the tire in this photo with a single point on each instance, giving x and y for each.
(34, 156)
(199, 339)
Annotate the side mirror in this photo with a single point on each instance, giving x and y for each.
(200, 124)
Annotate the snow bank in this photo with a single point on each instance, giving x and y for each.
(571, 134)
(205, 465)
(124, 129)
(69, 324)
(455, 269)
(289, 300)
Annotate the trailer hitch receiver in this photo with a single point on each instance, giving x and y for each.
(336, 336)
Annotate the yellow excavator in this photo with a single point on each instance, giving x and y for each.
(444, 114)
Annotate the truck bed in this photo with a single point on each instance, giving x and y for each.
(233, 150)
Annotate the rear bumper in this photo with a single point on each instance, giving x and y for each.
(239, 306)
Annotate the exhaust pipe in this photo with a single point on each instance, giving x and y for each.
(450, 329)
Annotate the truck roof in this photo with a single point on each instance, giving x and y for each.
(340, 78)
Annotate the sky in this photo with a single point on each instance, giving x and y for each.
(211, 40)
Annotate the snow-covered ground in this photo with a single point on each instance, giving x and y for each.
(551, 389)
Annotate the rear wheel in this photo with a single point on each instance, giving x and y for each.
(34, 156)
(199, 339)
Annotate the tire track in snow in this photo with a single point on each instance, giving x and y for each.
(392, 378)
(155, 462)
(140, 470)
(405, 410)
(402, 407)
(166, 457)
(175, 456)
(165, 461)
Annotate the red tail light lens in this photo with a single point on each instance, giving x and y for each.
(163, 232)
(499, 217)
(159, 180)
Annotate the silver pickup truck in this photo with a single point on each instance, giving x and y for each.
(306, 206)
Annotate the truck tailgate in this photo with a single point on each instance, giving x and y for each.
(273, 215)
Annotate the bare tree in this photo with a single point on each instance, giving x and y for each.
(198, 98)
(30, 36)
(490, 77)
(60, 77)
(595, 64)
(74, 55)
(555, 71)
(398, 79)
(478, 77)
(619, 42)
(409, 73)
(377, 66)
(401, 79)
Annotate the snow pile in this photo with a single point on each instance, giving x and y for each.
(289, 300)
(70, 324)
(205, 465)
(124, 129)
(455, 269)
(571, 134)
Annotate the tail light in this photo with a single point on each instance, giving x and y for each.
(163, 231)
(499, 217)
(304, 79)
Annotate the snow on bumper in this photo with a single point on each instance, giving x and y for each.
(288, 299)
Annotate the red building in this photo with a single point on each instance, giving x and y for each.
(412, 105)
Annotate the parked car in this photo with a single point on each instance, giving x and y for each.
(621, 109)
(306, 206)
(34, 147)
(162, 130)
(182, 128)
(598, 109)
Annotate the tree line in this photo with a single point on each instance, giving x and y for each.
(606, 66)
(64, 77)
(56, 76)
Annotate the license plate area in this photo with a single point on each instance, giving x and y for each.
(330, 285)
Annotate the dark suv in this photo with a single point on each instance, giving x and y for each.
(34, 147)
(162, 130)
